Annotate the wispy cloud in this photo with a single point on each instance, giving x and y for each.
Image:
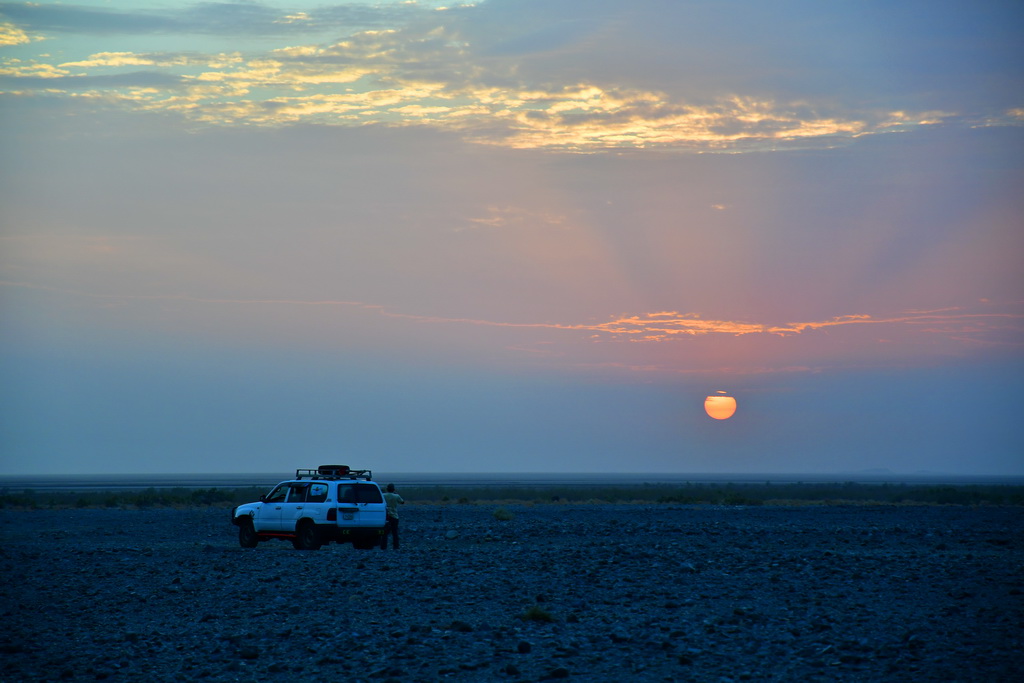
(505, 216)
(16, 68)
(120, 59)
(214, 18)
(955, 323)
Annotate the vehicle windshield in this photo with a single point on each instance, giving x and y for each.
(277, 495)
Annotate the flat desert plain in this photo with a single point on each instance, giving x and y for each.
(576, 592)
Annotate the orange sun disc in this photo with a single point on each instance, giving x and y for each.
(720, 407)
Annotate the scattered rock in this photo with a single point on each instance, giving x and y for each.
(559, 672)
(249, 652)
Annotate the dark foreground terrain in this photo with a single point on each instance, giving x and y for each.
(588, 593)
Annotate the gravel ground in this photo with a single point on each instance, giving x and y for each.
(587, 592)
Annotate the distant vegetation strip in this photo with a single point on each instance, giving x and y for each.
(678, 494)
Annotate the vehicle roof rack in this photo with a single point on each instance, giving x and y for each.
(333, 472)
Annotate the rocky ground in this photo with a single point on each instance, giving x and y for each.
(588, 593)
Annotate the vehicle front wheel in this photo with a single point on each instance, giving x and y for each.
(306, 537)
(247, 537)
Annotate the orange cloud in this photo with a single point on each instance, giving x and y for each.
(643, 342)
(648, 327)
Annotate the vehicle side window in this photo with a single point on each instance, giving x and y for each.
(277, 495)
(368, 493)
(317, 493)
(346, 493)
(297, 494)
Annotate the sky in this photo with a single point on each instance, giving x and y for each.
(511, 236)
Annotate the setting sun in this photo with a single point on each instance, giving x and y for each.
(720, 406)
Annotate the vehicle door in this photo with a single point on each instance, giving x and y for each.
(348, 509)
(268, 515)
(293, 508)
(316, 499)
(372, 510)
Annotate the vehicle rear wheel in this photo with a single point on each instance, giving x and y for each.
(247, 537)
(306, 537)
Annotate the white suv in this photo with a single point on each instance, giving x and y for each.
(330, 503)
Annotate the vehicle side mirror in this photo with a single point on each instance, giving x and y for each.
(263, 498)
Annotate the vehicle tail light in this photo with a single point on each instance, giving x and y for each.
(332, 515)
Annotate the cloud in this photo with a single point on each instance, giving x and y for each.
(956, 330)
(488, 74)
(505, 216)
(28, 71)
(11, 35)
(120, 59)
(212, 18)
(82, 19)
(555, 36)
(581, 117)
(666, 325)
(106, 89)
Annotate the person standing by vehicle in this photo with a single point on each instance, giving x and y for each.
(392, 500)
